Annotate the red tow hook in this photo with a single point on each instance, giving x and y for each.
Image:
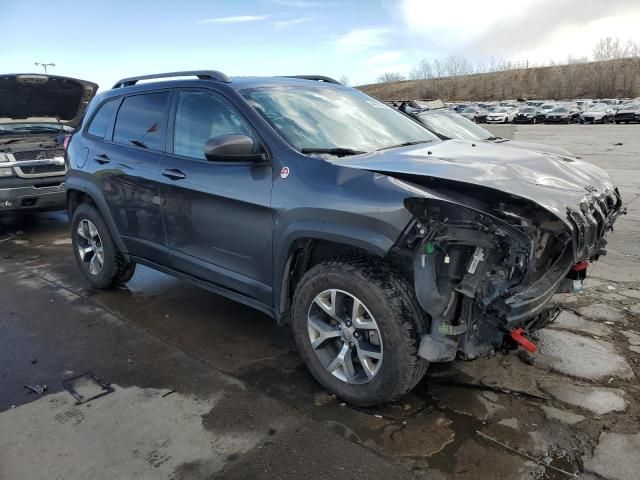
(579, 267)
(523, 341)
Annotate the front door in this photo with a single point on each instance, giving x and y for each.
(217, 215)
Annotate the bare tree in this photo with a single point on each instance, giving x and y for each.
(632, 68)
(608, 48)
(389, 77)
(422, 71)
(613, 70)
(344, 80)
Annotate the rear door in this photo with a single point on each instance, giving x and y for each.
(217, 215)
(126, 164)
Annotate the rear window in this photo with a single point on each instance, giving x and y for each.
(102, 119)
(141, 121)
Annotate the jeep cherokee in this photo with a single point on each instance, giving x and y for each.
(383, 246)
(36, 111)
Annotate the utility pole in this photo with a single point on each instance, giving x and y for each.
(45, 65)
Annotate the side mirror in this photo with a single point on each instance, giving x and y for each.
(232, 148)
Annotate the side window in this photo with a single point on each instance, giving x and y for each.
(141, 121)
(102, 119)
(200, 116)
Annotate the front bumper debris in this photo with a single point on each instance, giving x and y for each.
(480, 277)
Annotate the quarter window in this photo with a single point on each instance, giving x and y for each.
(141, 121)
(200, 116)
(102, 119)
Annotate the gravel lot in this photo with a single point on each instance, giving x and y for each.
(206, 388)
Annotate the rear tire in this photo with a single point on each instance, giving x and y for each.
(97, 256)
(389, 304)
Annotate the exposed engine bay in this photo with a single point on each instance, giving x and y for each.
(485, 270)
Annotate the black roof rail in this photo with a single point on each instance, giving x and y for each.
(201, 74)
(317, 78)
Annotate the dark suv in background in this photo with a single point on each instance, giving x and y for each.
(384, 247)
(37, 113)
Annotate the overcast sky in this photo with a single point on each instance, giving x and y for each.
(360, 39)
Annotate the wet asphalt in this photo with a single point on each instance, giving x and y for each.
(164, 336)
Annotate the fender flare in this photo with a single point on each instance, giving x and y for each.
(93, 191)
(374, 243)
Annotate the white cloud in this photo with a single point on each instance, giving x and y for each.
(362, 39)
(289, 23)
(236, 19)
(536, 30)
(460, 18)
(578, 41)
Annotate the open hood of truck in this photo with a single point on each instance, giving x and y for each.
(552, 181)
(27, 96)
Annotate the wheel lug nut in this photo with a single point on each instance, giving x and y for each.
(356, 334)
(348, 324)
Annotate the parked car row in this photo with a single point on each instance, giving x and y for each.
(582, 111)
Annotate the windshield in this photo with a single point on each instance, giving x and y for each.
(501, 110)
(559, 110)
(319, 117)
(600, 107)
(27, 128)
(469, 110)
(452, 125)
(547, 106)
(528, 110)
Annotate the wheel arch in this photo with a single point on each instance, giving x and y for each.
(308, 248)
(81, 191)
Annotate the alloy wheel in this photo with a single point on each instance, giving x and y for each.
(344, 336)
(90, 246)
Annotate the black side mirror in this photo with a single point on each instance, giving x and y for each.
(232, 148)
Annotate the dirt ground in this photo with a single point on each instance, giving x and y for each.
(206, 388)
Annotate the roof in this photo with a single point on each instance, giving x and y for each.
(172, 79)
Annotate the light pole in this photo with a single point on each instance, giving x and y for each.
(45, 65)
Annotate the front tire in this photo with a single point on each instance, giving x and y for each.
(357, 325)
(97, 256)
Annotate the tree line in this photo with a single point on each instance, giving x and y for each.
(612, 71)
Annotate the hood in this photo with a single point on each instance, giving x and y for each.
(552, 181)
(536, 147)
(44, 97)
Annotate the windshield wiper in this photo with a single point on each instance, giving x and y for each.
(337, 151)
(405, 144)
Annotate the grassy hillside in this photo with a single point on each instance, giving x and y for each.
(609, 79)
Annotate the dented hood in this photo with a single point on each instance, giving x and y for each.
(553, 181)
(28, 96)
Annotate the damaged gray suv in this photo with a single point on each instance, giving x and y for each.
(384, 247)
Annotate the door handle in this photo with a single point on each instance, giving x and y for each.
(173, 174)
(102, 159)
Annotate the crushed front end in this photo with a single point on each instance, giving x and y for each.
(485, 271)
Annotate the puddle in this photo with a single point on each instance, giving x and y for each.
(419, 431)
